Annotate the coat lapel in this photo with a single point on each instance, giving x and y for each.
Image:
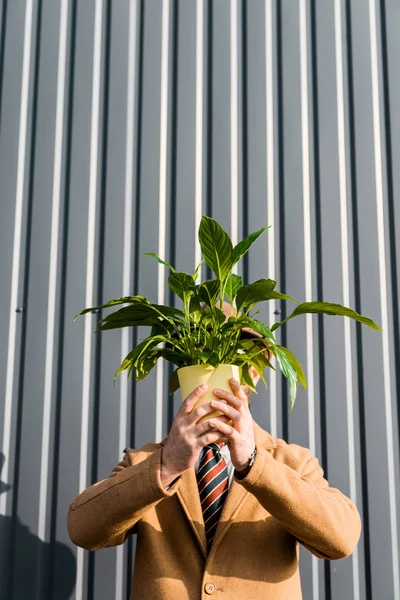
(234, 500)
(189, 498)
(237, 494)
(188, 495)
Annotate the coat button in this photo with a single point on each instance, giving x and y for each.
(210, 588)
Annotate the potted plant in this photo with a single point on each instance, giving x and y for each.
(216, 332)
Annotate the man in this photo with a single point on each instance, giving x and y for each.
(215, 518)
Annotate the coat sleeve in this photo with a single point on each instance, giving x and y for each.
(105, 513)
(320, 517)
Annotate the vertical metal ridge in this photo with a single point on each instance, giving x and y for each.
(89, 294)
(19, 201)
(269, 98)
(234, 121)
(282, 220)
(174, 168)
(391, 199)
(319, 269)
(210, 109)
(199, 127)
(383, 292)
(53, 269)
(357, 291)
(210, 74)
(305, 151)
(209, 190)
(2, 51)
(62, 314)
(127, 253)
(245, 141)
(345, 274)
(102, 158)
(25, 292)
(162, 198)
(135, 269)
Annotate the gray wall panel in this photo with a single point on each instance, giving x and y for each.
(149, 189)
(255, 201)
(309, 139)
(221, 134)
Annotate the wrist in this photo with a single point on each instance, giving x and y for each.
(241, 473)
(167, 475)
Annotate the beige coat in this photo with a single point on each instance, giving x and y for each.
(282, 501)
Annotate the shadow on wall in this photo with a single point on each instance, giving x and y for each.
(20, 553)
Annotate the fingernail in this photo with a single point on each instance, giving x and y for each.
(204, 386)
(217, 391)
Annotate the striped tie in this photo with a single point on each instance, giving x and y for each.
(212, 480)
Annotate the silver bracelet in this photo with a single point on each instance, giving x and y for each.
(252, 457)
(244, 473)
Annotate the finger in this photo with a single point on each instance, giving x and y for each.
(237, 389)
(230, 398)
(211, 437)
(224, 428)
(190, 401)
(203, 427)
(227, 410)
(199, 412)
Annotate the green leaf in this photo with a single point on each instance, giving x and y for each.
(213, 360)
(208, 291)
(196, 273)
(254, 350)
(129, 316)
(195, 309)
(161, 261)
(296, 365)
(167, 311)
(233, 284)
(135, 314)
(180, 283)
(146, 364)
(174, 356)
(162, 327)
(219, 316)
(131, 358)
(253, 355)
(289, 372)
(205, 355)
(174, 382)
(124, 300)
(259, 370)
(242, 247)
(252, 293)
(279, 296)
(145, 350)
(139, 315)
(216, 247)
(259, 328)
(331, 309)
(210, 322)
(246, 377)
(121, 324)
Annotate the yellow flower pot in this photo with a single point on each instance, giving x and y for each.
(215, 377)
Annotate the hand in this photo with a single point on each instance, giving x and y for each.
(187, 436)
(240, 435)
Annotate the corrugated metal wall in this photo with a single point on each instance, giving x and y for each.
(122, 121)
